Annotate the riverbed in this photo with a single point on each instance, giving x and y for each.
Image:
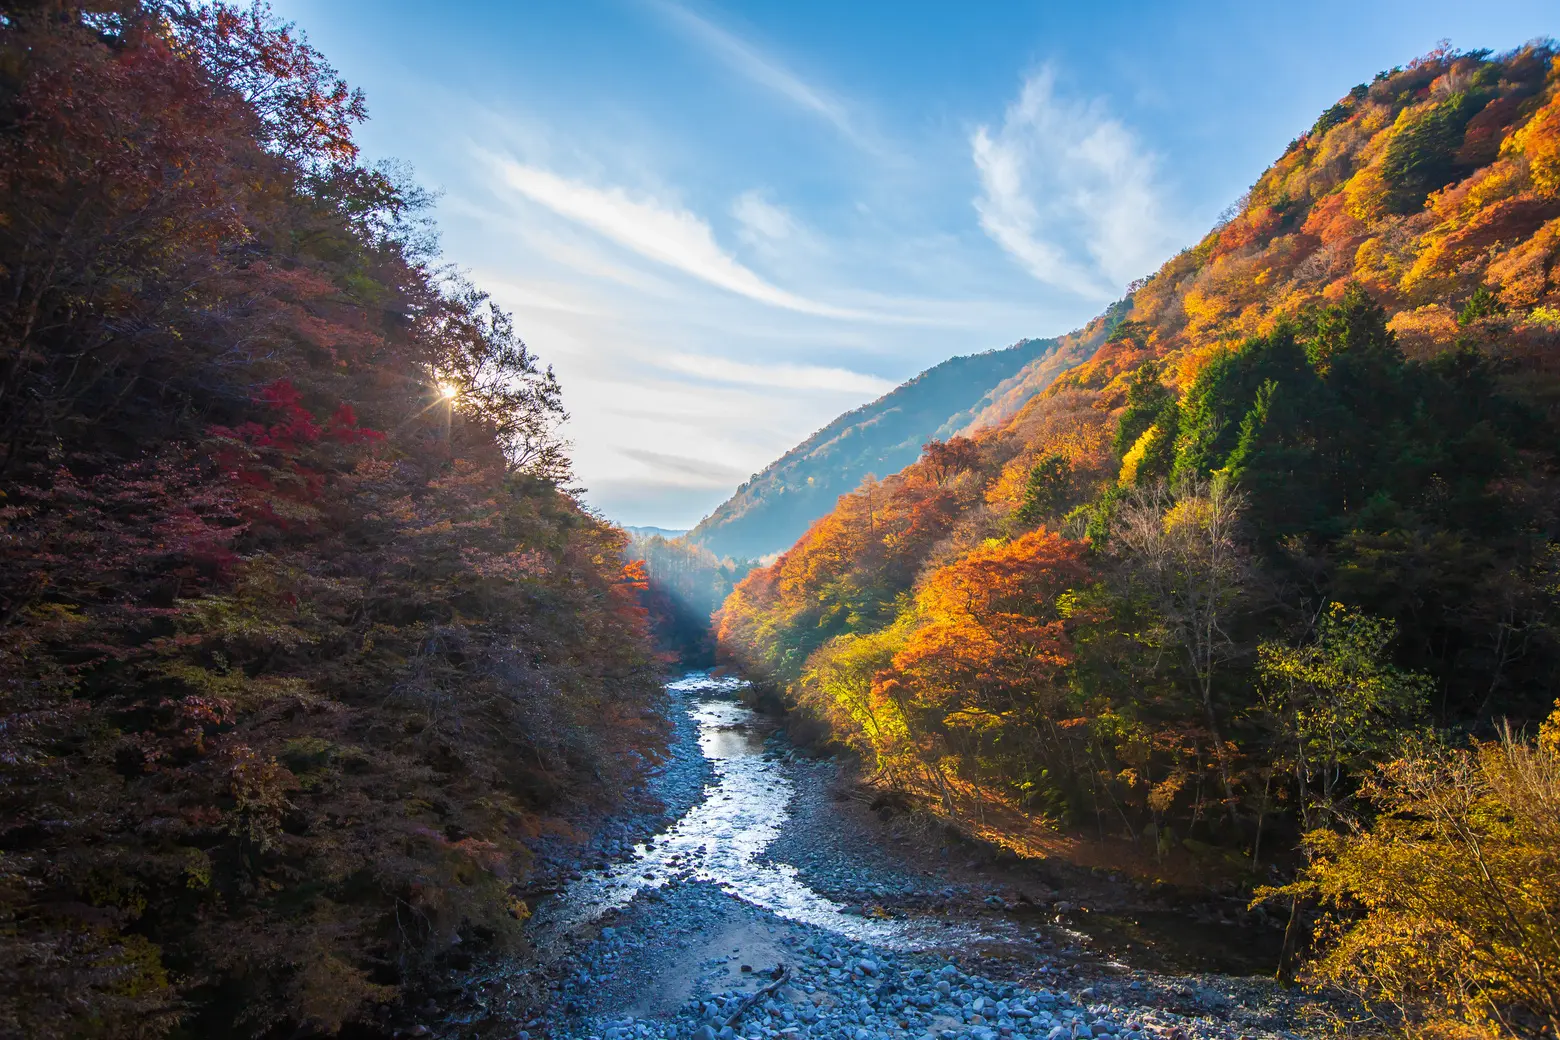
(763, 907)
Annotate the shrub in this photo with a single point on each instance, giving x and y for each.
(1442, 916)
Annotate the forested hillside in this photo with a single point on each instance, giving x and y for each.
(1300, 505)
(684, 585)
(772, 509)
(301, 642)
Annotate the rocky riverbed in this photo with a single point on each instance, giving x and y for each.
(748, 895)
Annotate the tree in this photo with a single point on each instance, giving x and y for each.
(1047, 490)
(292, 671)
(1181, 552)
(1422, 153)
(1152, 456)
(1443, 908)
(986, 643)
(944, 459)
(1147, 399)
(1338, 706)
(1232, 401)
(990, 632)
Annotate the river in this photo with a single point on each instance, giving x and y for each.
(723, 840)
(769, 908)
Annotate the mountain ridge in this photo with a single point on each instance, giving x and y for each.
(771, 510)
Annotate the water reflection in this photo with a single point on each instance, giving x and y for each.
(720, 839)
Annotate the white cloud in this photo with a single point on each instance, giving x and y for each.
(1069, 192)
(660, 232)
(782, 376)
(764, 70)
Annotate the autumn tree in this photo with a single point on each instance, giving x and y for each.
(988, 641)
(1182, 552)
(1339, 705)
(1443, 907)
(992, 630)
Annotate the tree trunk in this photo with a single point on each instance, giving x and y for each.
(1291, 933)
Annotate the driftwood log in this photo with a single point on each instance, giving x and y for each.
(755, 997)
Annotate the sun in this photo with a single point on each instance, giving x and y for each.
(449, 391)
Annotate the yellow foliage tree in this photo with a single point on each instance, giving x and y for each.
(1539, 142)
(1444, 916)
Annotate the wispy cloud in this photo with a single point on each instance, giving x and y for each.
(661, 232)
(782, 376)
(685, 469)
(1069, 192)
(760, 220)
(764, 70)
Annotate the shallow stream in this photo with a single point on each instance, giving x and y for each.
(725, 905)
(723, 838)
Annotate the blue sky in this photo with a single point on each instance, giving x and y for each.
(724, 223)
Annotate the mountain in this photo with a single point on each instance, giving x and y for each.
(1281, 517)
(668, 533)
(771, 510)
(1007, 398)
(304, 654)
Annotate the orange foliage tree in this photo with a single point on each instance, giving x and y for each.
(992, 636)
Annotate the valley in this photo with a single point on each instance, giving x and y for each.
(1190, 675)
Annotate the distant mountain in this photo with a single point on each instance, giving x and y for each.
(1007, 398)
(775, 507)
(656, 532)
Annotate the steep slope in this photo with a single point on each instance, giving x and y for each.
(772, 509)
(302, 647)
(1300, 501)
(1007, 398)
